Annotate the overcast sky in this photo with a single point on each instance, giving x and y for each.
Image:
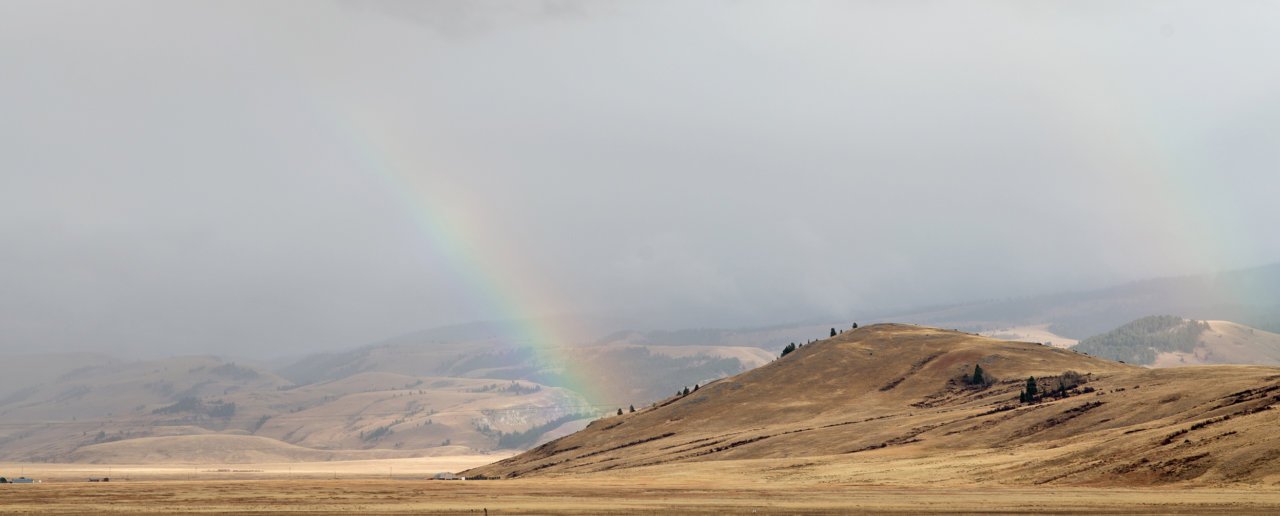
(237, 177)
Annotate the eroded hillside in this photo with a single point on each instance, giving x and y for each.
(897, 395)
(194, 409)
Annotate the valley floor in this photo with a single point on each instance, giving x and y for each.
(602, 496)
(397, 486)
(379, 469)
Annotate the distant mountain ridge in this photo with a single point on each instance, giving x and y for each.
(365, 414)
(1248, 296)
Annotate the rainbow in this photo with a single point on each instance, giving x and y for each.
(503, 292)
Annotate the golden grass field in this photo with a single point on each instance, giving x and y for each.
(605, 495)
(885, 483)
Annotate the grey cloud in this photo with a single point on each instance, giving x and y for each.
(258, 178)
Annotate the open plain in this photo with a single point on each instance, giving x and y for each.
(606, 495)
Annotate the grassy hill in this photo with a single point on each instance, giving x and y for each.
(214, 449)
(19, 374)
(1170, 341)
(464, 388)
(1140, 341)
(894, 396)
(623, 373)
(106, 410)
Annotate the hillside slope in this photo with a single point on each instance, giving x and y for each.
(206, 404)
(623, 373)
(1225, 342)
(1171, 341)
(214, 449)
(890, 394)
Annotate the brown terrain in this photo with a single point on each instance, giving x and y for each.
(205, 410)
(879, 419)
(1226, 342)
(891, 395)
(404, 400)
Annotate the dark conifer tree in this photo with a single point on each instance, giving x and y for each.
(833, 332)
(978, 378)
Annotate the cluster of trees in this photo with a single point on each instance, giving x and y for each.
(193, 405)
(1067, 381)
(852, 327)
(376, 434)
(1140, 341)
(514, 387)
(979, 377)
(235, 372)
(223, 410)
(792, 346)
(1030, 393)
(685, 392)
(521, 440)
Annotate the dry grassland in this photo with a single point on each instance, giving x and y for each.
(604, 496)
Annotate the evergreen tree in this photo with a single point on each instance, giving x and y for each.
(855, 326)
(695, 387)
(833, 332)
(1032, 391)
(633, 408)
(686, 391)
(619, 412)
(790, 347)
(978, 378)
(1022, 396)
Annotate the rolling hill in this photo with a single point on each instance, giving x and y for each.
(23, 372)
(114, 408)
(1171, 341)
(1226, 342)
(889, 401)
(462, 389)
(623, 372)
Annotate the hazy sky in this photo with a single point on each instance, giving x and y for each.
(245, 176)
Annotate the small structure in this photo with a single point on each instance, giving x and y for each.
(447, 476)
(22, 480)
